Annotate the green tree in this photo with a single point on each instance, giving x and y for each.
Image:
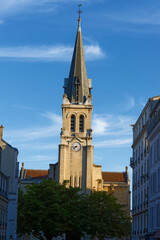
(48, 210)
(105, 217)
(40, 211)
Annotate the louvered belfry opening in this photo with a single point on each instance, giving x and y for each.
(81, 123)
(73, 120)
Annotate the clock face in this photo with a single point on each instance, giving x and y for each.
(76, 146)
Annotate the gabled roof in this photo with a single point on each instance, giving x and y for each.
(35, 174)
(114, 176)
(15, 149)
(78, 73)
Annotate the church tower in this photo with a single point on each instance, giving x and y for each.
(76, 150)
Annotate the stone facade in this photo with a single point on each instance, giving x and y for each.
(75, 166)
(3, 205)
(143, 171)
(153, 134)
(10, 167)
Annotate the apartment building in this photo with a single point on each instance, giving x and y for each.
(154, 173)
(10, 167)
(140, 163)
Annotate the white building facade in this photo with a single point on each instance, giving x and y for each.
(140, 163)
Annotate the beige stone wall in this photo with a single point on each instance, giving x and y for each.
(9, 165)
(122, 193)
(97, 178)
(76, 166)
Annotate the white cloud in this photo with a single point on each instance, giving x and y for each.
(38, 158)
(142, 101)
(100, 125)
(130, 103)
(36, 133)
(8, 7)
(112, 125)
(48, 53)
(114, 143)
(137, 16)
(93, 52)
(37, 146)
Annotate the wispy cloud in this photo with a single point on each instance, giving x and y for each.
(9, 7)
(142, 101)
(143, 15)
(114, 143)
(35, 158)
(36, 133)
(37, 146)
(112, 125)
(129, 103)
(24, 107)
(49, 53)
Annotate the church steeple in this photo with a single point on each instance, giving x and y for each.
(78, 86)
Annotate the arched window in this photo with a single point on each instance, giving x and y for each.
(73, 120)
(81, 123)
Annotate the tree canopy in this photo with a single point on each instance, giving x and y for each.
(49, 210)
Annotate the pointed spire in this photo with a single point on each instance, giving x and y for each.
(77, 86)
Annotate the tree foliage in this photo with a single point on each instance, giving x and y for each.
(105, 217)
(49, 210)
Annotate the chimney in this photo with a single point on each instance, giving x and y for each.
(22, 170)
(127, 173)
(1, 132)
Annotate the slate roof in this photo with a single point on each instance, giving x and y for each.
(35, 174)
(78, 73)
(114, 176)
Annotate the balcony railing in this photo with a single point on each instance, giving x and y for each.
(132, 162)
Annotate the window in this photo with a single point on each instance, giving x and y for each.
(158, 215)
(73, 123)
(159, 180)
(158, 149)
(81, 123)
(155, 182)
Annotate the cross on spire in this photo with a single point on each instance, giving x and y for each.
(79, 12)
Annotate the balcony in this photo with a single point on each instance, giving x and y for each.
(132, 162)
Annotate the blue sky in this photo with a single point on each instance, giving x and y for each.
(122, 52)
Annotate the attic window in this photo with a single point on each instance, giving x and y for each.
(29, 176)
